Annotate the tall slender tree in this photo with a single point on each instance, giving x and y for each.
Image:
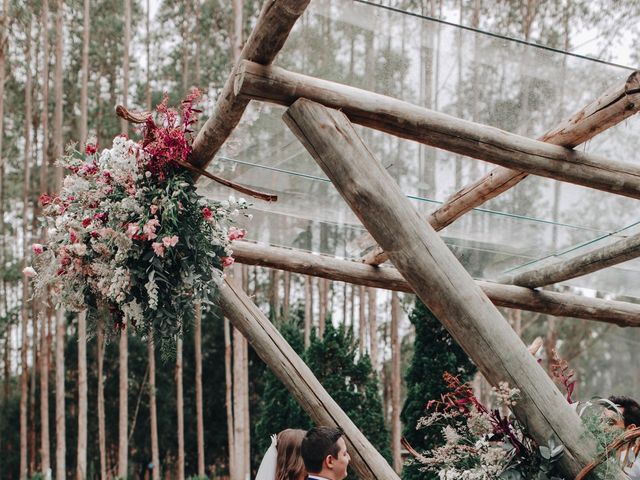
(45, 346)
(102, 436)
(153, 415)
(123, 443)
(84, 82)
(373, 327)
(25, 251)
(197, 337)
(395, 382)
(179, 409)
(81, 462)
(61, 439)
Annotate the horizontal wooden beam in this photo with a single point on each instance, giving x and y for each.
(607, 256)
(609, 109)
(277, 85)
(550, 303)
(266, 40)
(438, 279)
(296, 376)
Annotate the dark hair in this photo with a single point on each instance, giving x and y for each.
(318, 443)
(630, 409)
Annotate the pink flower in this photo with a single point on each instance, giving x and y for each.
(154, 209)
(90, 148)
(207, 213)
(236, 234)
(45, 200)
(132, 229)
(29, 272)
(37, 248)
(170, 241)
(149, 228)
(227, 261)
(158, 249)
(73, 238)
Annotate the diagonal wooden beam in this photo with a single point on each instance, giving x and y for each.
(266, 40)
(400, 118)
(607, 256)
(438, 278)
(296, 376)
(624, 314)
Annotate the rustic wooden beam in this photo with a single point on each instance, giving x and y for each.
(623, 314)
(266, 40)
(618, 252)
(296, 376)
(438, 278)
(440, 130)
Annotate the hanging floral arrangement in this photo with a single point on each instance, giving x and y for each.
(129, 232)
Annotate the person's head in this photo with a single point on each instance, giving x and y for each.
(627, 414)
(324, 452)
(289, 464)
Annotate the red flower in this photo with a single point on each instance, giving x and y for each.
(227, 261)
(207, 213)
(90, 148)
(45, 200)
(86, 222)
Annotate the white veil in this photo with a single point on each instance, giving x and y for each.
(267, 470)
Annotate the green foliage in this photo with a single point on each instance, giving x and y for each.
(435, 352)
(349, 379)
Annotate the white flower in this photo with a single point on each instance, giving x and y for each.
(29, 272)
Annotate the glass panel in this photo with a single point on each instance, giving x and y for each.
(517, 87)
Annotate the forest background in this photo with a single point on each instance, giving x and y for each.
(64, 65)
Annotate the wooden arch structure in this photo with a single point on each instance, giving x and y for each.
(423, 264)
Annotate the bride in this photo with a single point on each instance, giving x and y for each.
(282, 460)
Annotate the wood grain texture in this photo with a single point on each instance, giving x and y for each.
(550, 303)
(438, 278)
(285, 363)
(607, 256)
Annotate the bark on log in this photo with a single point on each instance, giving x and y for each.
(266, 40)
(551, 303)
(299, 380)
(426, 126)
(438, 278)
(607, 256)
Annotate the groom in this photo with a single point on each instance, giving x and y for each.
(324, 453)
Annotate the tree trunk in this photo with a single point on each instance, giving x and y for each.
(373, 327)
(85, 76)
(81, 464)
(58, 140)
(197, 336)
(179, 408)
(308, 309)
(274, 294)
(123, 413)
(147, 95)
(24, 377)
(61, 442)
(240, 395)
(287, 296)
(396, 376)
(102, 438)
(33, 451)
(124, 125)
(45, 448)
(229, 398)
(362, 325)
(323, 293)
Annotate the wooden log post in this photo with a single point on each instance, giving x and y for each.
(607, 256)
(266, 40)
(624, 314)
(438, 278)
(439, 130)
(285, 363)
